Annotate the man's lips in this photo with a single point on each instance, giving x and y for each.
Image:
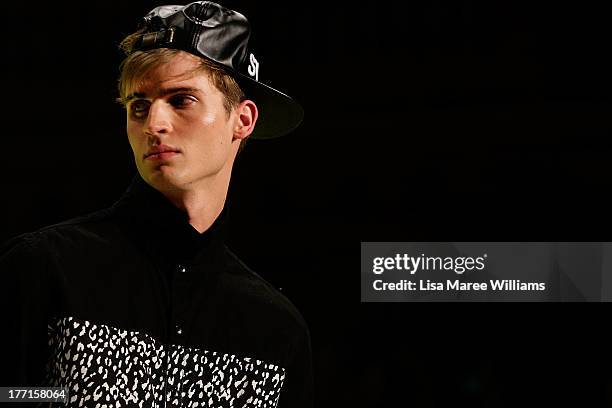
(161, 152)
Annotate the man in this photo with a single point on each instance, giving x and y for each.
(141, 304)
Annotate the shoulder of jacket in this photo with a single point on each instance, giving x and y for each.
(272, 295)
(35, 240)
(81, 220)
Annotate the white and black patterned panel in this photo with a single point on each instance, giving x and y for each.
(211, 379)
(105, 366)
(108, 367)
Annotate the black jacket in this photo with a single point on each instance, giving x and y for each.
(132, 305)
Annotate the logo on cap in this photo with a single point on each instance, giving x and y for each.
(254, 67)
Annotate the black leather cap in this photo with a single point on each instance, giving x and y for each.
(211, 31)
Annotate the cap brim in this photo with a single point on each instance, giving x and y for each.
(278, 114)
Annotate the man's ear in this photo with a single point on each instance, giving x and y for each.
(246, 117)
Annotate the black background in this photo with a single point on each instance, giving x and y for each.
(441, 121)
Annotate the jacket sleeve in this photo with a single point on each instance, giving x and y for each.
(298, 390)
(25, 307)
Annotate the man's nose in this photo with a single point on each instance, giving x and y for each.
(158, 119)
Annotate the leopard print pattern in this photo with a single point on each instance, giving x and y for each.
(105, 367)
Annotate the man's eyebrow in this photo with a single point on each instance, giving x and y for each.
(163, 92)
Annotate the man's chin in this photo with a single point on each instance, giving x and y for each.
(164, 179)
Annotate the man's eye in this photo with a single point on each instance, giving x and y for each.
(139, 107)
(182, 100)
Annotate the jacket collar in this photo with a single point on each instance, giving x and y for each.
(163, 230)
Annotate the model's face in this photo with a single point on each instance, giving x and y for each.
(178, 129)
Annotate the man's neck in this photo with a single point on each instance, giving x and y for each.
(202, 202)
(202, 207)
(204, 199)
